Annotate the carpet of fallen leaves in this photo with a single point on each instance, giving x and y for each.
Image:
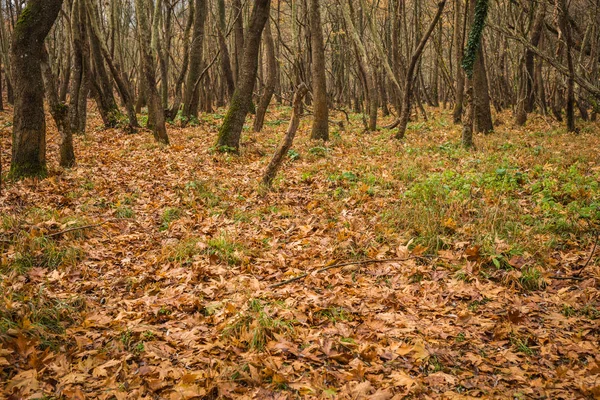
(169, 297)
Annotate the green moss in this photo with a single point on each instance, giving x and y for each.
(25, 15)
(27, 170)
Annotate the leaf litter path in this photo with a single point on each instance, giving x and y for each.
(170, 298)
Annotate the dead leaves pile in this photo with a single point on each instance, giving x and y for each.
(171, 298)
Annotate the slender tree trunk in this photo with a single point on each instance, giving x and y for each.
(459, 30)
(563, 23)
(408, 84)
(231, 130)
(467, 131)
(238, 34)
(286, 145)
(269, 88)
(109, 111)
(320, 127)
(192, 93)
(124, 87)
(534, 38)
(80, 71)
(363, 60)
(172, 112)
(60, 114)
(482, 116)
(155, 108)
(225, 58)
(29, 124)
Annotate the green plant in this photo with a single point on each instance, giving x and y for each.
(169, 215)
(184, 251)
(293, 155)
(225, 249)
(531, 279)
(124, 212)
(256, 324)
(318, 151)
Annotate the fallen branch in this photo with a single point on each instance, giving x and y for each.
(345, 264)
(77, 228)
(286, 144)
(568, 278)
(591, 255)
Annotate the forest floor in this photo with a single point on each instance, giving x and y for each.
(494, 291)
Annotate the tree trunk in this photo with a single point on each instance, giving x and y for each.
(29, 125)
(155, 109)
(231, 130)
(363, 60)
(408, 84)
(192, 93)
(565, 28)
(172, 112)
(285, 146)
(269, 88)
(225, 58)
(109, 111)
(482, 113)
(124, 87)
(60, 114)
(80, 70)
(534, 38)
(467, 131)
(459, 31)
(320, 127)
(238, 33)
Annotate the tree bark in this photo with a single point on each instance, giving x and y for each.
(155, 108)
(225, 58)
(459, 31)
(172, 112)
(29, 124)
(60, 114)
(408, 84)
(238, 34)
(124, 87)
(482, 113)
(320, 127)
(363, 60)
(231, 130)
(192, 93)
(105, 98)
(565, 28)
(288, 140)
(269, 88)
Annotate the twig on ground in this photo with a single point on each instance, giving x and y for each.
(344, 264)
(568, 278)
(591, 254)
(77, 228)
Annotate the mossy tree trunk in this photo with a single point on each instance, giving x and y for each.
(29, 125)
(231, 130)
